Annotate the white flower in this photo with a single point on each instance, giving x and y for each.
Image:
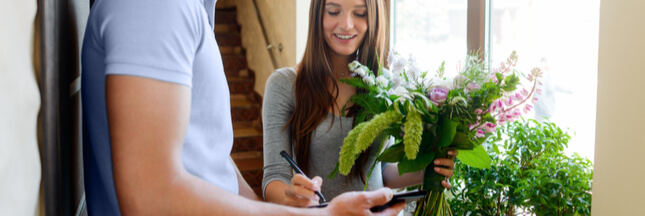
(355, 64)
(414, 72)
(397, 80)
(382, 81)
(369, 80)
(386, 73)
(427, 83)
(401, 92)
(360, 71)
(398, 65)
(391, 57)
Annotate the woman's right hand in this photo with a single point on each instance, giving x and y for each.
(300, 193)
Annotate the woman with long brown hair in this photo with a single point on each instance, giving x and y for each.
(302, 107)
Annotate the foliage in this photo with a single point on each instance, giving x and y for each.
(429, 114)
(530, 173)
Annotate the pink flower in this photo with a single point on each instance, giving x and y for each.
(496, 105)
(525, 92)
(501, 120)
(478, 111)
(517, 113)
(489, 127)
(509, 102)
(518, 96)
(534, 100)
(438, 95)
(480, 133)
(493, 78)
(470, 127)
(527, 108)
(472, 86)
(538, 91)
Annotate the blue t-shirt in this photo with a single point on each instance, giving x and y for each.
(167, 40)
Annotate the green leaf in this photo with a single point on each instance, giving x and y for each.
(392, 154)
(420, 163)
(446, 129)
(496, 149)
(475, 158)
(461, 141)
(335, 172)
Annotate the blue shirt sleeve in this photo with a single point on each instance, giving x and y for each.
(147, 49)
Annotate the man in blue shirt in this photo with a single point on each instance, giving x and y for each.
(157, 122)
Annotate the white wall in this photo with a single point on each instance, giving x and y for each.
(19, 104)
(619, 171)
(302, 27)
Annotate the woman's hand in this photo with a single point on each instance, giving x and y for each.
(300, 193)
(446, 167)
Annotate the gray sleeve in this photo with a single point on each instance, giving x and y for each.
(277, 108)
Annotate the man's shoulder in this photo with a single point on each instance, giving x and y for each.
(144, 10)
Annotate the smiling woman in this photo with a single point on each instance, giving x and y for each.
(302, 112)
(345, 25)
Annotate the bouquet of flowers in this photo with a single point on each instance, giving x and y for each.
(430, 114)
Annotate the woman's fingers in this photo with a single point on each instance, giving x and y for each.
(299, 196)
(305, 182)
(453, 153)
(301, 191)
(443, 171)
(445, 163)
(446, 184)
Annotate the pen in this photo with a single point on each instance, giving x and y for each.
(298, 171)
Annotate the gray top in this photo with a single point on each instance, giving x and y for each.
(326, 141)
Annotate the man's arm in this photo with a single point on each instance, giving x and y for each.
(148, 121)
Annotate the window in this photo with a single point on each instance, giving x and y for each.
(559, 36)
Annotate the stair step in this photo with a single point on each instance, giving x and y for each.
(246, 132)
(234, 63)
(242, 124)
(240, 102)
(228, 39)
(248, 161)
(240, 85)
(226, 15)
(253, 177)
(228, 50)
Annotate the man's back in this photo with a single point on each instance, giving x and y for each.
(170, 41)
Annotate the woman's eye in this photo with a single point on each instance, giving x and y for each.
(333, 13)
(361, 14)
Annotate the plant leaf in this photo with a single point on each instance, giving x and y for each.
(420, 163)
(392, 154)
(475, 158)
(447, 129)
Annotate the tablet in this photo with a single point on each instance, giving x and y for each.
(406, 197)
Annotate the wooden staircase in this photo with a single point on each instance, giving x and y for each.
(245, 102)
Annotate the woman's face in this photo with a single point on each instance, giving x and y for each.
(344, 25)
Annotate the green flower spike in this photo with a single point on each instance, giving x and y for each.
(412, 134)
(347, 153)
(365, 134)
(374, 127)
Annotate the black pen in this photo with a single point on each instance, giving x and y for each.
(298, 171)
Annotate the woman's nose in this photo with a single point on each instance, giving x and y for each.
(346, 22)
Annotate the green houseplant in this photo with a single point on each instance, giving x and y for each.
(529, 174)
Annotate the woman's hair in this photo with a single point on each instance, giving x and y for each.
(316, 89)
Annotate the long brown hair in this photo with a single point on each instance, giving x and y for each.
(315, 74)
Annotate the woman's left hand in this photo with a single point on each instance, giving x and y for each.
(446, 167)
